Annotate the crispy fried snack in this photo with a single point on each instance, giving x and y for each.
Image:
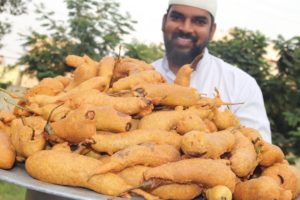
(168, 94)
(78, 125)
(111, 143)
(243, 158)
(189, 123)
(177, 191)
(284, 176)
(183, 75)
(108, 119)
(204, 112)
(5, 120)
(59, 111)
(207, 145)
(225, 119)
(64, 168)
(127, 66)
(64, 80)
(162, 120)
(134, 176)
(180, 120)
(149, 76)
(213, 103)
(147, 154)
(106, 68)
(97, 83)
(6, 117)
(253, 135)
(5, 128)
(260, 188)
(270, 154)
(206, 172)
(8, 153)
(26, 136)
(65, 147)
(297, 173)
(47, 86)
(74, 61)
(128, 105)
(85, 71)
(211, 126)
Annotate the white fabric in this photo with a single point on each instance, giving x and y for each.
(235, 86)
(209, 5)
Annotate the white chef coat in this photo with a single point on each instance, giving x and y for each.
(234, 85)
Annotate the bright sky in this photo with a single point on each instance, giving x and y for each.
(271, 17)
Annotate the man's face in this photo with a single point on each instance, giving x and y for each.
(187, 31)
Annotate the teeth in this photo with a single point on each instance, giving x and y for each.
(184, 38)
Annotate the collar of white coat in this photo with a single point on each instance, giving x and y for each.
(201, 63)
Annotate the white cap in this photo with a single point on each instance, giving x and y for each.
(209, 5)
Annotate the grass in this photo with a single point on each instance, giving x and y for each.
(11, 192)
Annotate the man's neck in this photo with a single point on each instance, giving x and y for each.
(174, 68)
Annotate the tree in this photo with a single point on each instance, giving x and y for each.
(141, 51)
(244, 49)
(12, 7)
(285, 102)
(280, 88)
(93, 27)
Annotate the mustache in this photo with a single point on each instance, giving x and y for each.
(184, 35)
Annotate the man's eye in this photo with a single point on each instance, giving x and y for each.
(176, 17)
(200, 21)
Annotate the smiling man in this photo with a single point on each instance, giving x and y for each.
(188, 26)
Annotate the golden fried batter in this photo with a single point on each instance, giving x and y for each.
(243, 156)
(183, 75)
(207, 145)
(168, 94)
(206, 172)
(71, 169)
(78, 125)
(8, 153)
(260, 188)
(111, 143)
(284, 176)
(147, 154)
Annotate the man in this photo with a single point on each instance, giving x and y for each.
(187, 27)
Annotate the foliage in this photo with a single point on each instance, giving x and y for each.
(280, 87)
(12, 7)
(244, 49)
(92, 27)
(11, 192)
(45, 58)
(5, 85)
(141, 51)
(288, 105)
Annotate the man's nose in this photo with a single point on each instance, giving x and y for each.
(186, 26)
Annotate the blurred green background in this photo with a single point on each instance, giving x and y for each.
(11, 192)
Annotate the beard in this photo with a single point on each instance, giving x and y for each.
(180, 55)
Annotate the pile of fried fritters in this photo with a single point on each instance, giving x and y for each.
(117, 127)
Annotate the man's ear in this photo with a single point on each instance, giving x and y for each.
(212, 31)
(163, 22)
